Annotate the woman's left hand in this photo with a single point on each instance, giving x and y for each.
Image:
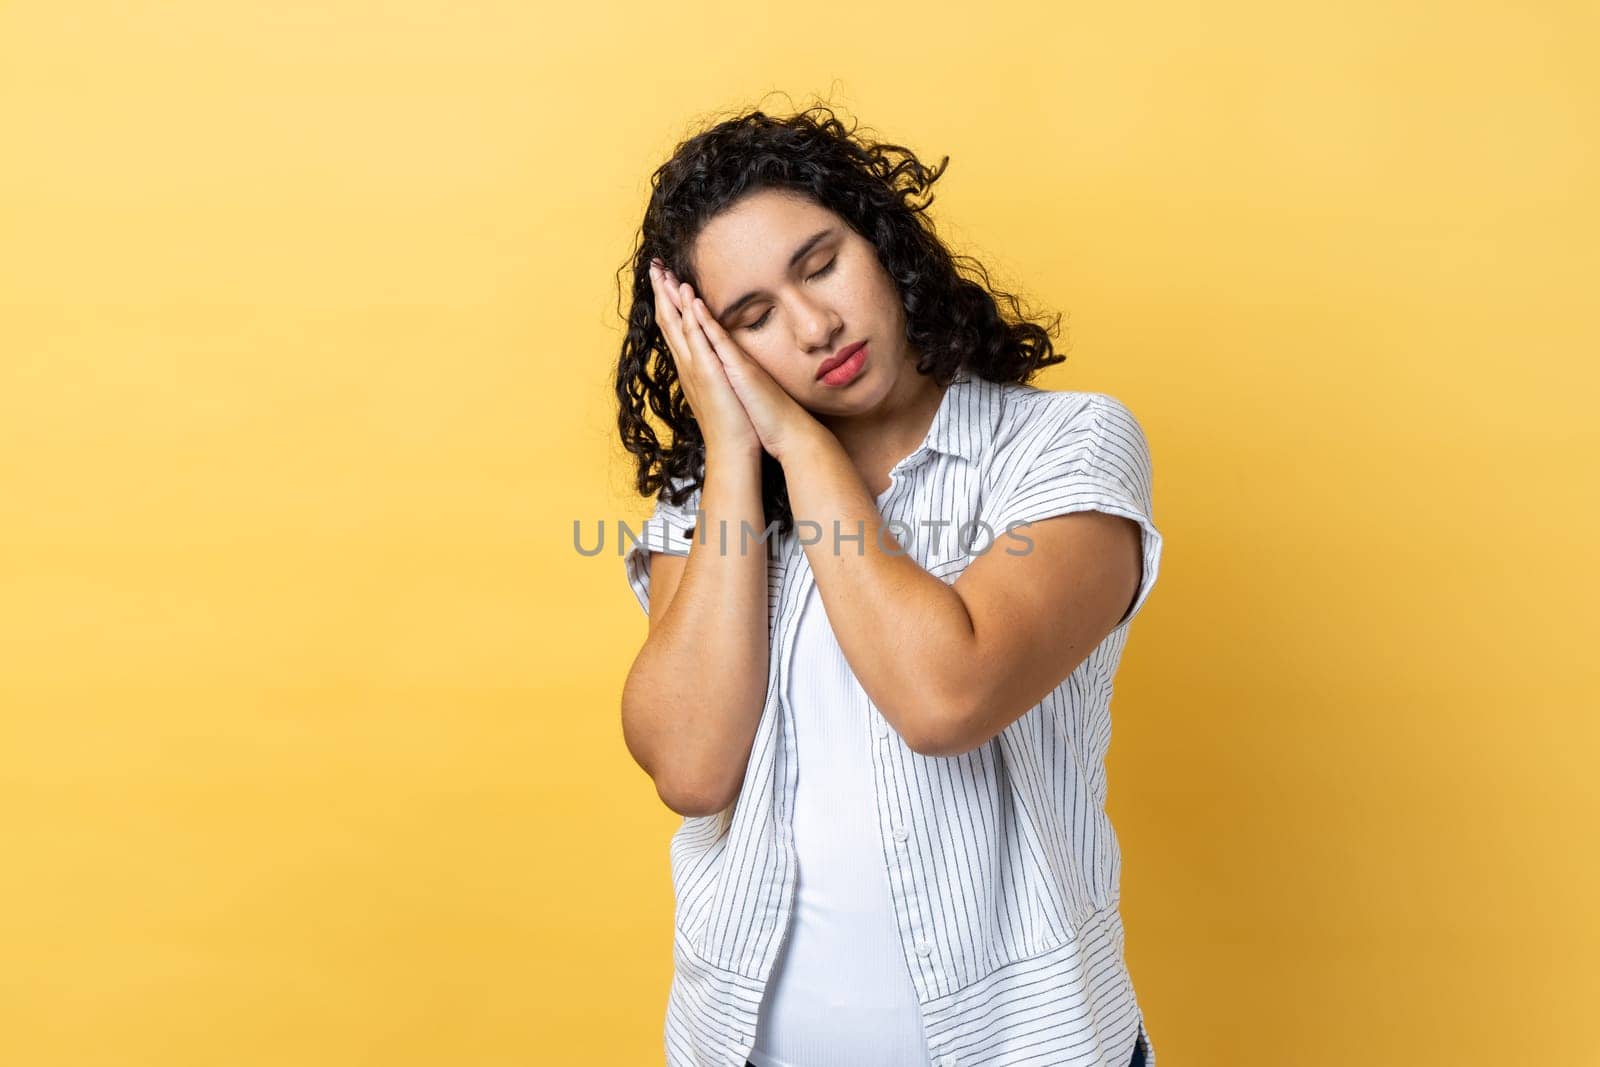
(779, 420)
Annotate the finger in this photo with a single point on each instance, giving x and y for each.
(660, 281)
(686, 299)
(670, 319)
(721, 343)
(670, 283)
(658, 290)
(706, 349)
(694, 332)
(669, 298)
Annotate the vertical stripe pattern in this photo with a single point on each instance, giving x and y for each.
(1006, 891)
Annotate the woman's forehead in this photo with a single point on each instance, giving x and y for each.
(764, 217)
(759, 234)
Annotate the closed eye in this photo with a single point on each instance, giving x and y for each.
(756, 325)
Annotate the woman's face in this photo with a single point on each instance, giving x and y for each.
(793, 284)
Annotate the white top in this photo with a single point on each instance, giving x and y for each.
(840, 994)
(1005, 893)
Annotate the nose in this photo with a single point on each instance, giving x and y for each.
(816, 326)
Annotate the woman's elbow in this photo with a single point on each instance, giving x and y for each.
(692, 802)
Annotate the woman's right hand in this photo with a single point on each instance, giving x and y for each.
(724, 424)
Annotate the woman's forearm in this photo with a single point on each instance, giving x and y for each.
(905, 633)
(696, 690)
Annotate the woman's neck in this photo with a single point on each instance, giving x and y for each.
(877, 441)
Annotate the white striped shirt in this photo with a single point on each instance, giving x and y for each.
(1006, 888)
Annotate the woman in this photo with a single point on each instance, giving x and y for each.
(895, 849)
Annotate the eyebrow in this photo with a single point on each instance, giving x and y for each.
(799, 253)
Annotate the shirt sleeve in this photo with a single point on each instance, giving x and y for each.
(1093, 458)
(670, 529)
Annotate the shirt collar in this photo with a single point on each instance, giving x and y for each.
(966, 417)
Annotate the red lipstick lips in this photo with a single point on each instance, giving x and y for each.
(840, 357)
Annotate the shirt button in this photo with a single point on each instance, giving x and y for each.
(947, 1061)
(882, 730)
(901, 833)
(924, 949)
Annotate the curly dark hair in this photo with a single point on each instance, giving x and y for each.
(883, 192)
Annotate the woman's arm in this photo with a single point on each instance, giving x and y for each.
(898, 626)
(950, 666)
(694, 695)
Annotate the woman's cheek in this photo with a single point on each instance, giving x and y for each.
(764, 360)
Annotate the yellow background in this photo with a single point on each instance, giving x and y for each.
(310, 749)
